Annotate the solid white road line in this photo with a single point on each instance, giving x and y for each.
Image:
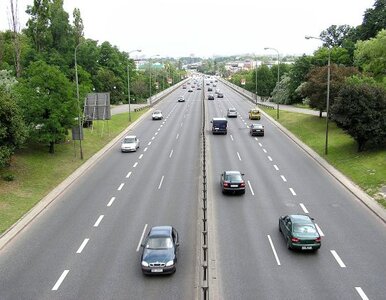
(160, 184)
(292, 191)
(319, 230)
(276, 167)
(136, 164)
(270, 158)
(250, 187)
(121, 186)
(171, 153)
(149, 143)
(231, 137)
(303, 208)
(238, 154)
(144, 150)
(60, 280)
(284, 179)
(265, 151)
(260, 144)
(140, 156)
(140, 240)
(338, 259)
(273, 249)
(361, 293)
(177, 136)
(98, 221)
(111, 201)
(82, 246)
(128, 174)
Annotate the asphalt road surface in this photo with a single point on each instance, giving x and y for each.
(85, 245)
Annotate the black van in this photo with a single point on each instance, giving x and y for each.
(219, 125)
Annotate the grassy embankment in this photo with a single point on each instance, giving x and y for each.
(367, 169)
(37, 172)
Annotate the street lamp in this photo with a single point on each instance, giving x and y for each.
(128, 80)
(278, 77)
(256, 79)
(150, 75)
(77, 96)
(328, 89)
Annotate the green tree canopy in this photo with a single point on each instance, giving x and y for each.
(360, 110)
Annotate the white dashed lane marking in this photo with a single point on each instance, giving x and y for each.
(140, 156)
(292, 191)
(273, 250)
(361, 293)
(144, 150)
(121, 186)
(270, 158)
(111, 201)
(284, 179)
(276, 167)
(303, 208)
(98, 221)
(128, 174)
(250, 187)
(171, 153)
(60, 280)
(136, 164)
(82, 246)
(149, 143)
(319, 230)
(160, 184)
(238, 154)
(338, 259)
(140, 240)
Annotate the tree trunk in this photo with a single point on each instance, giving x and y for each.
(16, 37)
(52, 149)
(320, 113)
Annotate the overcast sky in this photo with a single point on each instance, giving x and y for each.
(206, 28)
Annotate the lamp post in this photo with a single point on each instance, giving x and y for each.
(256, 79)
(77, 96)
(150, 75)
(328, 90)
(278, 77)
(128, 81)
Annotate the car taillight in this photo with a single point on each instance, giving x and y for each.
(242, 184)
(295, 240)
(226, 184)
(318, 240)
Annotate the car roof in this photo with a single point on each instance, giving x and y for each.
(130, 136)
(219, 119)
(231, 108)
(232, 172)
(160, 231)
(300, 219)
(257, 125)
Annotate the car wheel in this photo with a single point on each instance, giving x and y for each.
(289, 244)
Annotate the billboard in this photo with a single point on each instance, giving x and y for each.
(97, 106)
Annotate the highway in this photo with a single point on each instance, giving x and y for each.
(252, 259)
(85, 245)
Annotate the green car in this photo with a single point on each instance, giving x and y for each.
(300, 232)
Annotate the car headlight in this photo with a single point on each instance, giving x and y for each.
(170, 263)
(145, 264)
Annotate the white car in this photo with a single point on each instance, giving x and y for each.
(130, 143)
(232, 112)
(157, 115)
(181, 99)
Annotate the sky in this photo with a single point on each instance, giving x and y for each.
(207, 28)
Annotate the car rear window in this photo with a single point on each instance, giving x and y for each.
(233, 177)
(159, 243)
(304, 228)
(129, 140)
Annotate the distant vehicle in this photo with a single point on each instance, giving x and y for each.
(193, 86)
(232, 181)
(232, 112)
(256, 129)
(157, 115)
(220, 95)
(217, 91)
(181, 99)
(254, 114)
(190, 90)
(184, 86)
(207, 83)
(130, 144)
(198, 87)
(210, 89)
(214, 85)
(219, 125)
(300, 232)
(159, 255)
(210, 97)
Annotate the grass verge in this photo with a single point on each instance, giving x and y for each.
(37, 172)
(367, 169)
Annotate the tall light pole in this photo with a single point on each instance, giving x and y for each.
(77, 96)
(128, 80)
(256, 79)
(150, 75)
(328, 90)
(278, 77)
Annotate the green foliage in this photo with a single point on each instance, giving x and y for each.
(334, 36)
(360, 110)
(48, 103)
(370, 55)
(8, 177)
(297, 75)
(374, 20)
(265, 81)
(281, 92)
(316, 86)
(339, 56)
(12, 129)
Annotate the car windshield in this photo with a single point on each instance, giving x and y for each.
(304, 228)
(129, 140)
(233, 177)
(159, 243)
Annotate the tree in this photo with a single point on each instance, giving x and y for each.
(374, 20)
(12, 128)
(370, 56)
(334, 36)
(265, 81)
(16, 37)
(297, 75)
(281, 92)
(316, 86)
(48, 102)
(78, 26)
(360, 110)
